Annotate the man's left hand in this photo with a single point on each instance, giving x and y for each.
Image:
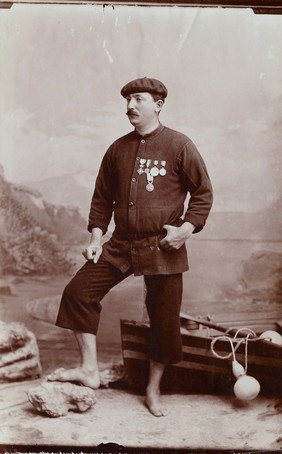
(176, 236)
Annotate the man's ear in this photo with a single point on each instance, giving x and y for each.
(159, 105)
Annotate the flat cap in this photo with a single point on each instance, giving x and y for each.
(142, 85)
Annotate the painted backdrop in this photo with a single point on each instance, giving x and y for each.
(64, 66)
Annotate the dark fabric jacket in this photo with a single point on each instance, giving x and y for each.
(139, 214)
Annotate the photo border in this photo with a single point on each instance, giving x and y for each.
(259, 7)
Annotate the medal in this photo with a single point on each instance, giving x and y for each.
(150, 187)
(154, 170)
(141, 170)
(148, 165)
(150, 168)
(163, 170)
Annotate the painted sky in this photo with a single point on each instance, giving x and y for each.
(63, 67)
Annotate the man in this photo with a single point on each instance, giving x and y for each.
(143, 180)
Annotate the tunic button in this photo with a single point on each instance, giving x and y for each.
(131, 204)
(133, 179)
(138, 158)
(142, 141)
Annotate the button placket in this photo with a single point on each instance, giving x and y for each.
(134, 186)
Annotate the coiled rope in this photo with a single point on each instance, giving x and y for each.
(233, 341)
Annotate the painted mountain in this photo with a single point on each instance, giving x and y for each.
(36, 234)
(71, 189)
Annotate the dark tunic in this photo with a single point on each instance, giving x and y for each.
(139, 214)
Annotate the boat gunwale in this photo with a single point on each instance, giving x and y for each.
(185, 333)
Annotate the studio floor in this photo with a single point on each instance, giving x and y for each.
(195, 422)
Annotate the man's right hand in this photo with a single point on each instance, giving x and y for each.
(94, 250)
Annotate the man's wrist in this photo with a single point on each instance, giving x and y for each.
(187, 228)
(96, 235)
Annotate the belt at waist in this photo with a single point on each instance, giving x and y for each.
(131, 236)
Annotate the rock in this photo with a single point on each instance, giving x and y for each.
(19, 354)
(12, 335)
(56, 399)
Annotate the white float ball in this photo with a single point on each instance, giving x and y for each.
(272, 336)
(246, 388)
(237, 369)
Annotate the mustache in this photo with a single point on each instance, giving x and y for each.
(131, 112)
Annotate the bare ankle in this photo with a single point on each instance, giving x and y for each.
(90, 369)
(152, 389)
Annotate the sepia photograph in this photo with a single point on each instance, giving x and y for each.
(141, 228)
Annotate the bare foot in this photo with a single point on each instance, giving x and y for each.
(153, 403)
(84, 377)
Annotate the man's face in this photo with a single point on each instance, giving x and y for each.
(142, 109)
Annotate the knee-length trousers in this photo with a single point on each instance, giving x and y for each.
(80, 306)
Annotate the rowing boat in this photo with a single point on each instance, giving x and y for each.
(207, 363)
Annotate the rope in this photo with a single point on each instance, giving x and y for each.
(232, 341)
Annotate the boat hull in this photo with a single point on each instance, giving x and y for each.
(200, 371)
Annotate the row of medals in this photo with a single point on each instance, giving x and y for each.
(145, 166)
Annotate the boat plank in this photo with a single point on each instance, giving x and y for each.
(201, 370)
